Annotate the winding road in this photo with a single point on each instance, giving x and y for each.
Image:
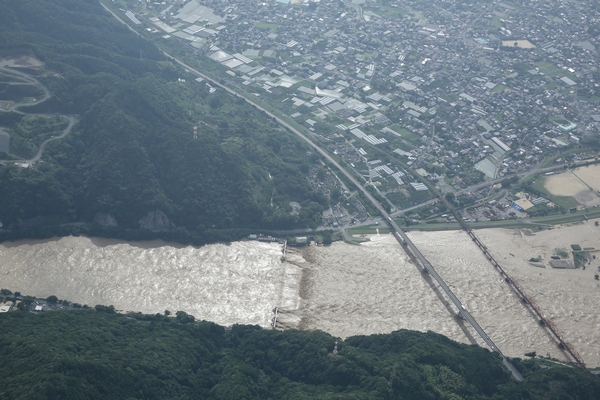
(30, 80)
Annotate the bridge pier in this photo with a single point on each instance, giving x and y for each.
(283, 251)
(274, 319)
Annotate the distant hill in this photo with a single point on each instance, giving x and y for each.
(132, 151)
(97, 354)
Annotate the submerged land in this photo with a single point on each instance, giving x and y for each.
(130, 138)
(343, 289)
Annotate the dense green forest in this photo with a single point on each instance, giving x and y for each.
(132, 150)
(98, 354)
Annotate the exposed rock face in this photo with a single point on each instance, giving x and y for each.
(105, 220)
(156, 221)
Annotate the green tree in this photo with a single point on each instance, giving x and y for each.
(327, 237)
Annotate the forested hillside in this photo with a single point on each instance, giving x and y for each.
(98, 354)
(132, 150)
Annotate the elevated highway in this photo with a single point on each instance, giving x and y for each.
(398, 233)
(407, 243)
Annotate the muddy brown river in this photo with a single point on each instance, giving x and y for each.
(341, 289)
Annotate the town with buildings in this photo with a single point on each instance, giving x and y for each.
(453, 93)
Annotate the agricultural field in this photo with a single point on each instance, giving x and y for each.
(572, 188)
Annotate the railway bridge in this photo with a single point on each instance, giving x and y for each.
(398, 233)
(404, 240)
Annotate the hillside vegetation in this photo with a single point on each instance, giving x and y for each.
(132, 150)
(99, 354)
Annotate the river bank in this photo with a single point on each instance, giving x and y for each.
(342, 289)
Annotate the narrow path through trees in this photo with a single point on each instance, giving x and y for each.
(30, 80)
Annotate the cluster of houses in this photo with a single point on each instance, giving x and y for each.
(465, 90)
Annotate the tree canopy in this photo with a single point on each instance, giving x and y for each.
(133, 149)
(100, 354)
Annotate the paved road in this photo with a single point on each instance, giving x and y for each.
(65, 132)
(400, 235)
(404, 240)
(399, 231)
(519, 174)
(16, 106)
(404, 210)
(270, 114)
(284, 124)
(31, 81)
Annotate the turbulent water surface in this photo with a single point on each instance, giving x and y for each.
(342, 289)
(227, 284)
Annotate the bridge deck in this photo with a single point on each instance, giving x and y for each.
(401, 237)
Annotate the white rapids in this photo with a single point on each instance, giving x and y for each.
(341, 289)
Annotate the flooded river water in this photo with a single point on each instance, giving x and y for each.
(227, 284)
(342, 289)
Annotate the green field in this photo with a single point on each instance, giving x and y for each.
(265, 25)
(399, 199)
(559, 120)
(548, 69)
(552, 71)
(406, 134)
(530, 223)
(387, 11)
(369, 230)
(550, 160)
(539, 223)
(496, 22)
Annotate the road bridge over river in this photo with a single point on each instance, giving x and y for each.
(409, 245)
(398, 233)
